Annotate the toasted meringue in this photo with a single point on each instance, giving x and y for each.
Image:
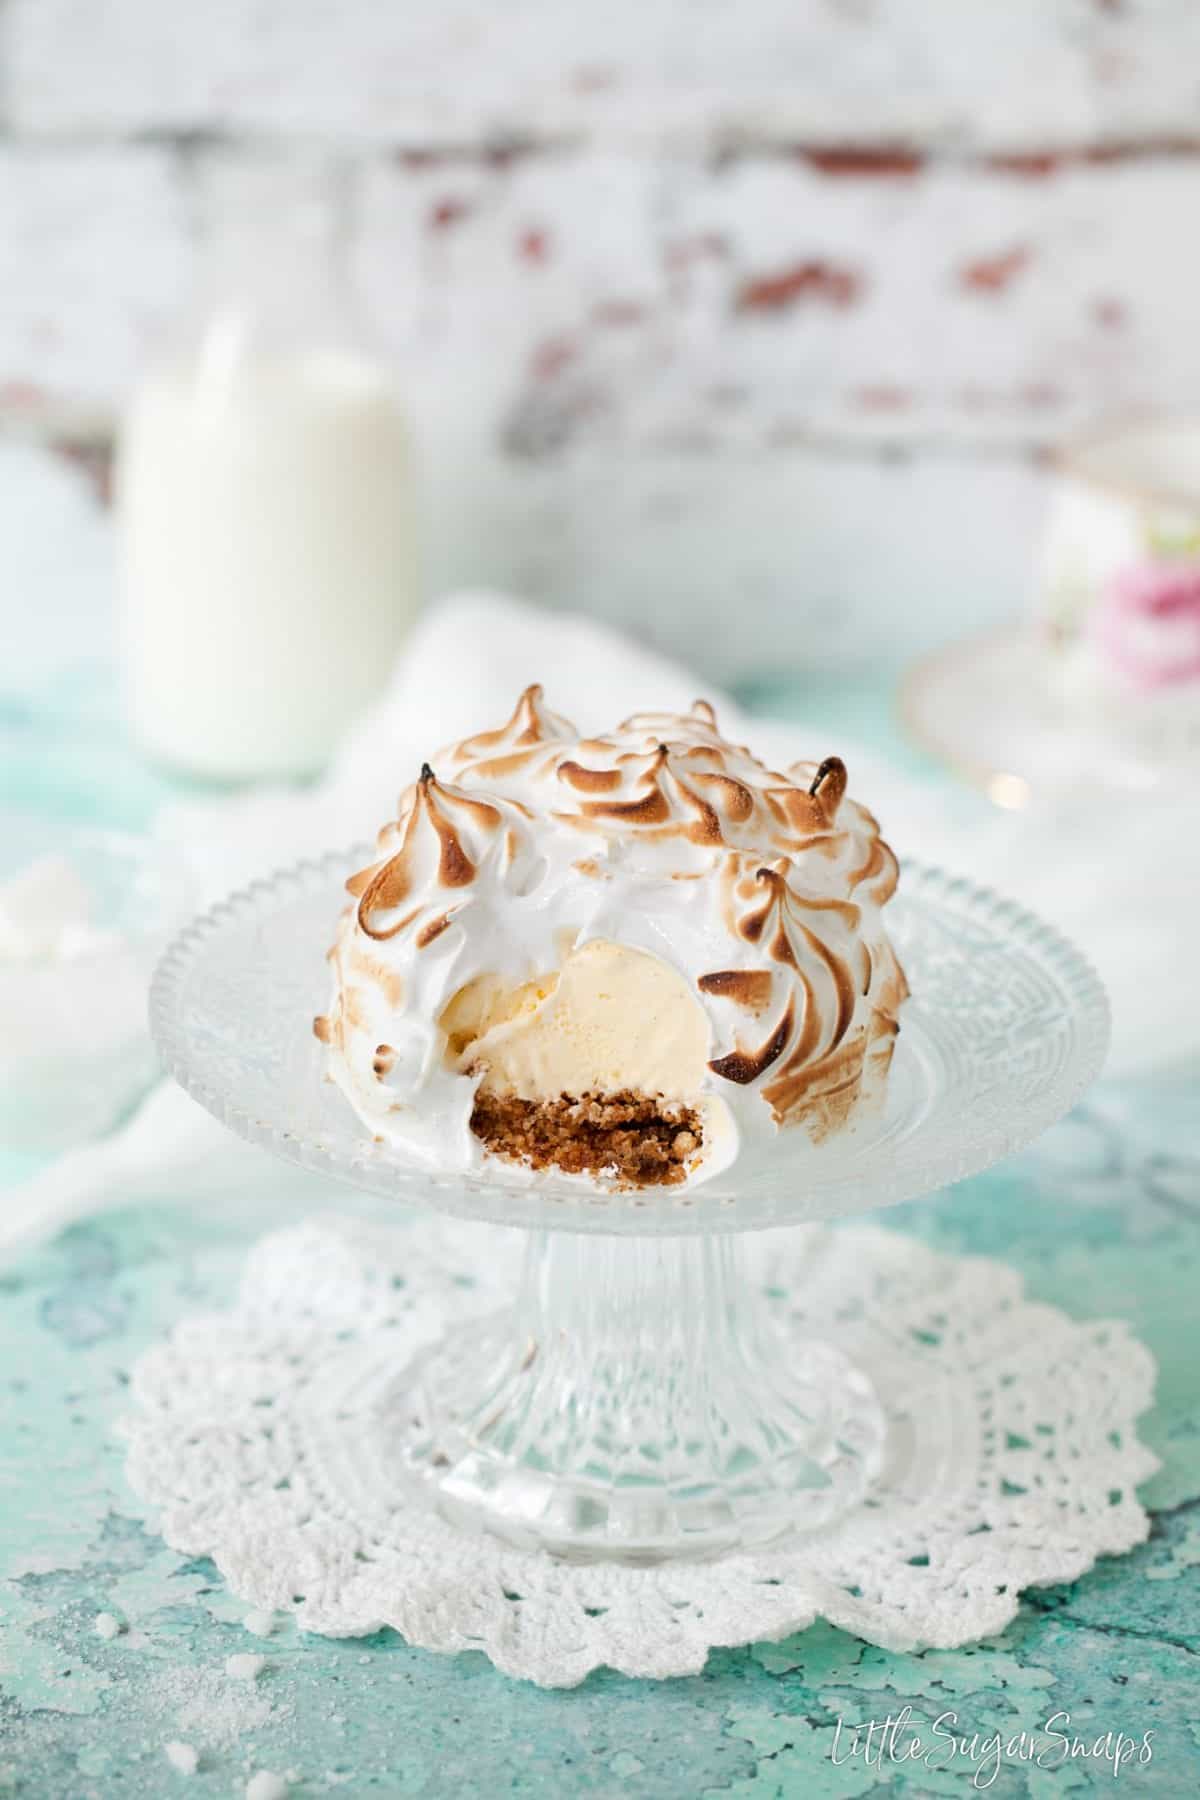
(637, 958)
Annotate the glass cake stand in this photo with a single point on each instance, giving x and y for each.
(639, 1399)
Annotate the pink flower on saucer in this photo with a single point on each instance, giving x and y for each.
(1147, 624)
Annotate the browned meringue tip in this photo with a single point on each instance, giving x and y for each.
(830, 767)
(529, 724)
(745, 1066)
(828, 785)
(704, 709)
(525, 714)
(426, 776)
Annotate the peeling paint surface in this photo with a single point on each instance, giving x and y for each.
(1102, 1218)
(786, 267)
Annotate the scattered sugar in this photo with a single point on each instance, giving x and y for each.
(182, 1757)
(203, 1704)
(263, 1785)
(244, 1667)
(262, 1624)
(108, 1626)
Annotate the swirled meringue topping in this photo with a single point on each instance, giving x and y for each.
(653, 916)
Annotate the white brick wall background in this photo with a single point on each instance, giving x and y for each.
(749, 322)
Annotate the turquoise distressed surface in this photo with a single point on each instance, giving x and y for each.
(1102, 1218)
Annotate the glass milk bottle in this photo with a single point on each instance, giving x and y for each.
(265, 501)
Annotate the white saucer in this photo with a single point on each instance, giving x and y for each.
(989, 709)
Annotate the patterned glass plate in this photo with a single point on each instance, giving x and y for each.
(1006, 1027)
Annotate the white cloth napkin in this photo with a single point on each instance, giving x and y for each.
(1120, 877)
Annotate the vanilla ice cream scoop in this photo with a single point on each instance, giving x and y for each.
(571, 1032)
(633, 958)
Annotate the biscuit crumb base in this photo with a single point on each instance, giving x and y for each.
(636, 1138)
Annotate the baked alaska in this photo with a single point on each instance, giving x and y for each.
(633, 958)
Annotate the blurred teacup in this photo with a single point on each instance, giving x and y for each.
(1119, 590)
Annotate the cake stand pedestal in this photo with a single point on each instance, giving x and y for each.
(639, 1401)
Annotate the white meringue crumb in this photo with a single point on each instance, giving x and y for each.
(107, 1625)
(262, 1624)
(182, 1757)
(45, 911)
(263, 1785)
(245, 1667)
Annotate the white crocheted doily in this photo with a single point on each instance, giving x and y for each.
(1012, 1458)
